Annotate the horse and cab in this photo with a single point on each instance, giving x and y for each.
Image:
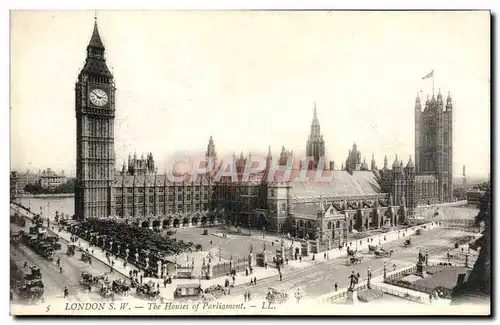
(355, 259)
(351, 252)
(148, 291)
(383, 253)
(407, 242)
(121, 287)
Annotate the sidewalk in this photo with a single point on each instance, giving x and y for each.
(168, 291)
(259, 272)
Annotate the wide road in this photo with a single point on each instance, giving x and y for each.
(53, 280)
(319, 279)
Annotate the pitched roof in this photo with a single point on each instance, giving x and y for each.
(341, 184)
(95, 40)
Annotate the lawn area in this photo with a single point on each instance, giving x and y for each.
(442, 276)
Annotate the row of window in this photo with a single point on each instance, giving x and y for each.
(428, 139)
(151, 199)
(140, 211)
(160, 189)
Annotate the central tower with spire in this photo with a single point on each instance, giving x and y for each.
(315, 144)
(95, 114)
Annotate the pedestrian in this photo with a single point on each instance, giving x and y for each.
(300, 258)
(90, 287)
(358, 275)
(245, 296)
(281, 277)
(60, 269)
(286, 260)
(251, 282)
(92, 252)
(265, 265)
(249, 297)
(394, 267)
(165, 283)
(314, 257)
(324, 256)
(158, 286)
(246, 272)
(66, 293)
(210, 242)
(141, 278)
(336, 287)
(255, 280)
(110, 269)
(272, 243)
(90, 261)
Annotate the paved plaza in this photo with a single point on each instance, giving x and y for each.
(227, 243)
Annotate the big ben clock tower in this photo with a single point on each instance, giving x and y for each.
(95, 114)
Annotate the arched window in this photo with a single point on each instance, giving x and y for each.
(329, 225)
(338, 224)
(301, 223)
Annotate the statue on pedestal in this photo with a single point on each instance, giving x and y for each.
(421, 265)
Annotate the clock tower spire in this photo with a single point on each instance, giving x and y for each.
(95, 114)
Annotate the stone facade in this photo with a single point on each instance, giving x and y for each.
(354, 198)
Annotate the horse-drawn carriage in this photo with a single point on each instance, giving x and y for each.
(89, 279)
(106, 291)
(408, 242)
(121, 287)
(355, 259)
(71, 249)
(148, 291)
(276, 297)
(373, 248)
(34, 275)
(30, 291)
(85, 257)
(351, 252)
(383, 253)
(418, 232)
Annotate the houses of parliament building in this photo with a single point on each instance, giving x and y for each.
(358, 196)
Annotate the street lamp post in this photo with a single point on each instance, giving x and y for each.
(369, 276)
(385, 270)
(220, 253)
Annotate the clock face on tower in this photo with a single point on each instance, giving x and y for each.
(98, 97)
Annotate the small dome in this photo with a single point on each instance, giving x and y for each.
(410, 164)
(395, 164)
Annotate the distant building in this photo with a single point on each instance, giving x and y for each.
(14, 191)
(475, 195)
(24, 179)
(320, 213)
(50, 179)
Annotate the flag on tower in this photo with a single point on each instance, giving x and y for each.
(429, 75)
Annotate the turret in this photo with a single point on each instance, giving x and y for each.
(418, 119)
(395, 165)
(373, 164)
(385, 163)
(449, 106)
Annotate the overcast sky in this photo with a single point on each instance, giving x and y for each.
(250, 79)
